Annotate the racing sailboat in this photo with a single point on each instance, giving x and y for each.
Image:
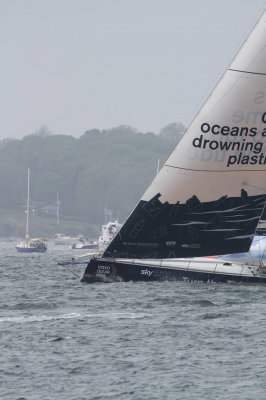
(209, 196)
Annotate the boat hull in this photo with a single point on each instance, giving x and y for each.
(30, 250)
(89, 246)
(110, 270)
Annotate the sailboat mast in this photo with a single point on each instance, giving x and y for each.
(28, 206)
(158, 166)
(57, 208)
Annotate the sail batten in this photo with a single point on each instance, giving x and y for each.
(208, 170)
(246, 72)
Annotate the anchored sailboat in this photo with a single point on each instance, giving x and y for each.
(30, 245)
(209, 196)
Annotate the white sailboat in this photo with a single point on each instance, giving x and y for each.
(209, 196)
(30, 245)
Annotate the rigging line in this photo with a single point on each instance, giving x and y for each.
(246, 72)
(72, 272)
(211, 170)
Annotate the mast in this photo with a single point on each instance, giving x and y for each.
(57, 208)
(28, 206)
(158, 166)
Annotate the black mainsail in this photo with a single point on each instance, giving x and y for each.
(209, 196)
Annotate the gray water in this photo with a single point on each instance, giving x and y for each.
(61, 339)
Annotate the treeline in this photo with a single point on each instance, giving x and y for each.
(107, 169)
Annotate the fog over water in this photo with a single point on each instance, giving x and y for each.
(76, 65)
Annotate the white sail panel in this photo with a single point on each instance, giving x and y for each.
(252, 55)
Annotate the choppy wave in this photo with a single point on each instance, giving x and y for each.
(64, 340)
(41, 318)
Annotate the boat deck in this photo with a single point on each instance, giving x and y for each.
(204, 264)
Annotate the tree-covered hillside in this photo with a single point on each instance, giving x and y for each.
(101, 169)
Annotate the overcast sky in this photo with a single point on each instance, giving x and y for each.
(74, 65)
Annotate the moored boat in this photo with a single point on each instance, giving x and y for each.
(32, 246)
(61, 239)
(83, 244)
(29, 245)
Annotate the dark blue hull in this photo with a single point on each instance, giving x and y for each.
(109, 270)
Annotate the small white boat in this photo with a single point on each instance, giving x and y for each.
(61, 239)
(83, 244)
